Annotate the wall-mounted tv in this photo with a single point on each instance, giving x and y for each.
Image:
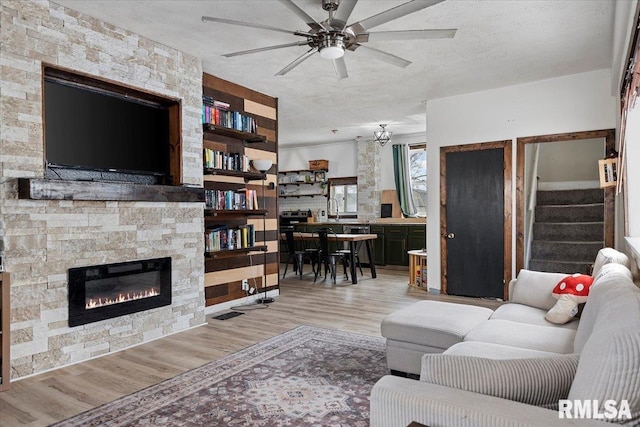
(96, 131)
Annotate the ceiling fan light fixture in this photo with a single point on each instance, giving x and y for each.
(332, 46)
(382, 136)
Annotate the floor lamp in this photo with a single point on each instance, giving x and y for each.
(263, 166)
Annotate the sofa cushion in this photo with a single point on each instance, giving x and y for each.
(516, 334)
(609, 367)
(526, 314)
(433, 323)
(608, 256)
(533, 288)
(494, 351)
(540, 381)
(609, 278)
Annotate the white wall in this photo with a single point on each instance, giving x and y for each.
(572, 103)
(342, 158)
(632, 155)
(570, 160)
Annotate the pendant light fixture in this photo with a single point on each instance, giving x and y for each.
(382, 136)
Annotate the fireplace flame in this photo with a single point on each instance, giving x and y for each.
(100, 302)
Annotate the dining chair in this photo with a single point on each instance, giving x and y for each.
(356, 253)
(328, 257)
(297, 255)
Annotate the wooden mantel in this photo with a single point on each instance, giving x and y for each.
(55, 189)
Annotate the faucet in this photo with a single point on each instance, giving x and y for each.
(335, 200)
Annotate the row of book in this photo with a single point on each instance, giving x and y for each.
(217, 113)
(214, 159)
(231, 199)
(223, 238)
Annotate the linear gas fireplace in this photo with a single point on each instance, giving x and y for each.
(104, 291)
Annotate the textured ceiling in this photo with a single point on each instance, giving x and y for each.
(498, 43)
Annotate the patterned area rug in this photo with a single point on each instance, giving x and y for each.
(308, 376)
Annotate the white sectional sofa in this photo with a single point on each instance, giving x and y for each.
(478, 367)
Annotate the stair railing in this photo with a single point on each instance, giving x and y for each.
(530, 215)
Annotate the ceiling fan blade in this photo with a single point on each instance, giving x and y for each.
(391, 14)
(308, 19)
(384, 56)
(263, 49)
(344, 12)
(341, 68)
(406, 35)
(297, 62)
(252, 25)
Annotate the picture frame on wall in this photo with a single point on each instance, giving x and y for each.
(608, 169)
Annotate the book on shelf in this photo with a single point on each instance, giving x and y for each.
(214, 159)
(241, 199)
(223, 238)
(217, 113)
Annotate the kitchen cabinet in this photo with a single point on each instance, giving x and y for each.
(378, 245)
(417, 238)
(395, 245)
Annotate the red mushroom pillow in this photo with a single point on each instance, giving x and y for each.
(570, 291)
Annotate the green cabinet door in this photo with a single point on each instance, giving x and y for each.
(417, 237)
(378, 245)
(395, 245)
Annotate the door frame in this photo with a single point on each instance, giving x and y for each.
(609, 193)
(506, 145)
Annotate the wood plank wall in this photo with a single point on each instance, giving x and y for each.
(224, 275)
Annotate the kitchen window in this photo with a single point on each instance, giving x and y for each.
(418, 166)
(343, 196)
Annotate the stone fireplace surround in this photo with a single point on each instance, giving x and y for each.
(45, 238)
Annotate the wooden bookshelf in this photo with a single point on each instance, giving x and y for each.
(225, 269)
(233, 133)
(5, 328)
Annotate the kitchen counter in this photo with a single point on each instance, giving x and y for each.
(379, 221)
(396, 236)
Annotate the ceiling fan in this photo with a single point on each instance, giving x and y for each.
(333, 36)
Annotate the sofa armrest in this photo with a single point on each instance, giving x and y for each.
(396, 402)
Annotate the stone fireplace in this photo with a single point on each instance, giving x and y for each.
(105, 291)
(46, 238)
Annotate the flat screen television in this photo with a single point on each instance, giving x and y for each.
(93, 133)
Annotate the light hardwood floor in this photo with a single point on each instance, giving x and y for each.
(56, 395)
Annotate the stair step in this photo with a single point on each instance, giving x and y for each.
(569, 232)
(565, 251)
(593, 212)
(560, 266)
(570, 197)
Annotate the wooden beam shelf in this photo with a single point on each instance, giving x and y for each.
(54, 189)
(211, 213)
(301, 195)
(248, 176)
(234, 252)
(249, 138)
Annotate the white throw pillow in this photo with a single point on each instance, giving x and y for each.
(540, 381)
(534, 288)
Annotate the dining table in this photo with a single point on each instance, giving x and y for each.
(353, 240)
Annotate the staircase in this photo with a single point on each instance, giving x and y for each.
(568, 230)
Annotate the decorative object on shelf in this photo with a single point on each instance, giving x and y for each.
(608, 169)
(263, 166)
(319, 165)
(382, 136)
(334, 35)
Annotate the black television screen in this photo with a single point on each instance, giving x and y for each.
(93, 129)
